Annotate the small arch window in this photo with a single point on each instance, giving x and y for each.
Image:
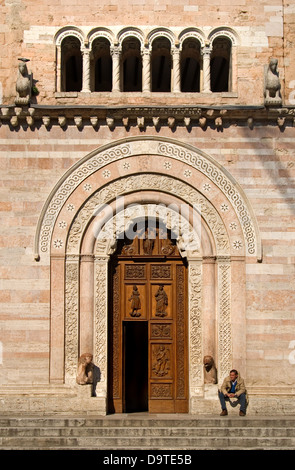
(161, 65)
(102, 65)
(190, 65)
(71, 60)
(132, 65)
(220, 65)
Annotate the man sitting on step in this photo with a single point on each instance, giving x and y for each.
(233, 387)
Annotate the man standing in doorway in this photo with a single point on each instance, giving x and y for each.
(233, 387)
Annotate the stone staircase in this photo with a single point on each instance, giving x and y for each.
(147, 432)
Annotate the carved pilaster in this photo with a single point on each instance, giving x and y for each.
(224, 318)
(100, 321)
(195, 322)
(71, 317)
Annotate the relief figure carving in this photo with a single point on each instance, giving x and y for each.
(161, 365)
(162, 302)
(135, 302)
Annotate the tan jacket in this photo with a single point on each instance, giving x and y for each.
(240, 387)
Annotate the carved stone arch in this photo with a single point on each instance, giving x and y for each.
(69, 31)
(227, 32)
(130, 32)
(119, 150)
(79, 272)
(191, 33)
(161, 32)
(164, 187)
(100, 33)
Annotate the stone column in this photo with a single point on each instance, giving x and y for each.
(176, 70)
(86, 71)
(86, 303)
(146, 70)
(58, 69)
(206, 53)
(101, 321)
(115, 52)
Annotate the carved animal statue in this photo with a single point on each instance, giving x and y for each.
(210, 372)
(85, 369)
(272, 84)
(23, 83)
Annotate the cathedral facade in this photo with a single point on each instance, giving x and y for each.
(147, 205)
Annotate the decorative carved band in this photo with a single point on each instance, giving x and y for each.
(220, 179)
(161, 331)
(71, 319)
(160, 271)
(224, 329)
(135, 271)
(195, 322)
(161, 390)
(180, 339)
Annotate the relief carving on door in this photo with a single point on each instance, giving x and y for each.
(149, 284)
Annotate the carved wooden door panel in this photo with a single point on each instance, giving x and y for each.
(148, 286)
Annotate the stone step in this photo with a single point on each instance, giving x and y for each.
(149, 432)
(119, 442)
(134, 432)
(110, 421)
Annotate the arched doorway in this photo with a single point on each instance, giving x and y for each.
(148, 317)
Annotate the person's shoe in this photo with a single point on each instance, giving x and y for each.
(223, 413)
(242, 413)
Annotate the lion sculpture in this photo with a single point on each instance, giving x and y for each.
(210, 372)
(272, 84)
(85, 369)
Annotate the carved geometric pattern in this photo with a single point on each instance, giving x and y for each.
(116, 335)
(135, 271)
(97, 161)
(160, 271)
(148, 181)
(161, 331)
(100, 317)
(180, 339)
(71, 183)
(224, 328)
(219, 178)
(161, 390)
(195, 322)
(71, 318)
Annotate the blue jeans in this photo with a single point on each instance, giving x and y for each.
(241, 399)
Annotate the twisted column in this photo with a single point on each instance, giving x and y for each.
(115, 52)
(146, 70)
(206, 52)
(86, 71)
(176, 70)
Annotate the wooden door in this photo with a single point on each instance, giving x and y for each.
(148, 287)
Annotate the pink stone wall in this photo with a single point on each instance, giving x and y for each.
(261, 160)
(265, 30)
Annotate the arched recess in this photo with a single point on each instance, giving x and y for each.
(149, 172)
(69, 42)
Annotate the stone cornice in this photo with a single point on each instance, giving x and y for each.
(141, 116)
